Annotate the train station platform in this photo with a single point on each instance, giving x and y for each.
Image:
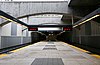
(49, 53)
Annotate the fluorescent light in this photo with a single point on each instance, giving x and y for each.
(86, 20)
(92, 17)
(75, 26)
(6, 18)
(82, 22)
(10, 20)
(49, 29)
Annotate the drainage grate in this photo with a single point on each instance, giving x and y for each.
(47, 61)
(49, 48)
(50, 42)
(65, 50)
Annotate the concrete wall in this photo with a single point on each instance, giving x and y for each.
(11, 35)
(91, 41)
(19, 30)
(95, 28)
(6, 30)
(8, 41)
(26, 39)
(13, 29)
(87, 34)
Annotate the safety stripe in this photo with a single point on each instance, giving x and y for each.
(94, 55)
(2, 55)
(77, 48)
(20, 49)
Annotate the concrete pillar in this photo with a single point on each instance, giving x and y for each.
(0, 37)
(27, 30)
(88, 28)
(0, 32)
(13, 29)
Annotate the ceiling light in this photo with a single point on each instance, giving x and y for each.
(10, 20)
(86, 20)
(6, 18)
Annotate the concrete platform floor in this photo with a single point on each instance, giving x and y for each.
(49, 53)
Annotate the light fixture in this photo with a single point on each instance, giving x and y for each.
(49, 29)
(86, 20)
(10, 20)
(6, 18)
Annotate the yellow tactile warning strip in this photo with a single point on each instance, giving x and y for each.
(94, 55)
(77, 48)
(20, 48)
(2, 55)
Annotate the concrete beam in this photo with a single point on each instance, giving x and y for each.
(18, 9)
(2, 24)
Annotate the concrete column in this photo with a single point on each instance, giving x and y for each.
(27, 30)
(88, 28)
(0, 37)
(13, 29)
(0, 33)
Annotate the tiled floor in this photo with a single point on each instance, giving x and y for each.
(38, 54)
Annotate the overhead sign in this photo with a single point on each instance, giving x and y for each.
(69, 28)
(32, 29)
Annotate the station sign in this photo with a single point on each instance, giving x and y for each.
(33, 29)
(67, 28)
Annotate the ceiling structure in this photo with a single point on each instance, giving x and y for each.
(66, 18)
(34, 0)
(90, 8)
(84, 3)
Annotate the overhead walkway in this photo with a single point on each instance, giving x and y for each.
(49, 53)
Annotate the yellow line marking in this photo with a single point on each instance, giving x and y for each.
(77, 48)
(95, 55)
(2, 55)
(20, 48)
